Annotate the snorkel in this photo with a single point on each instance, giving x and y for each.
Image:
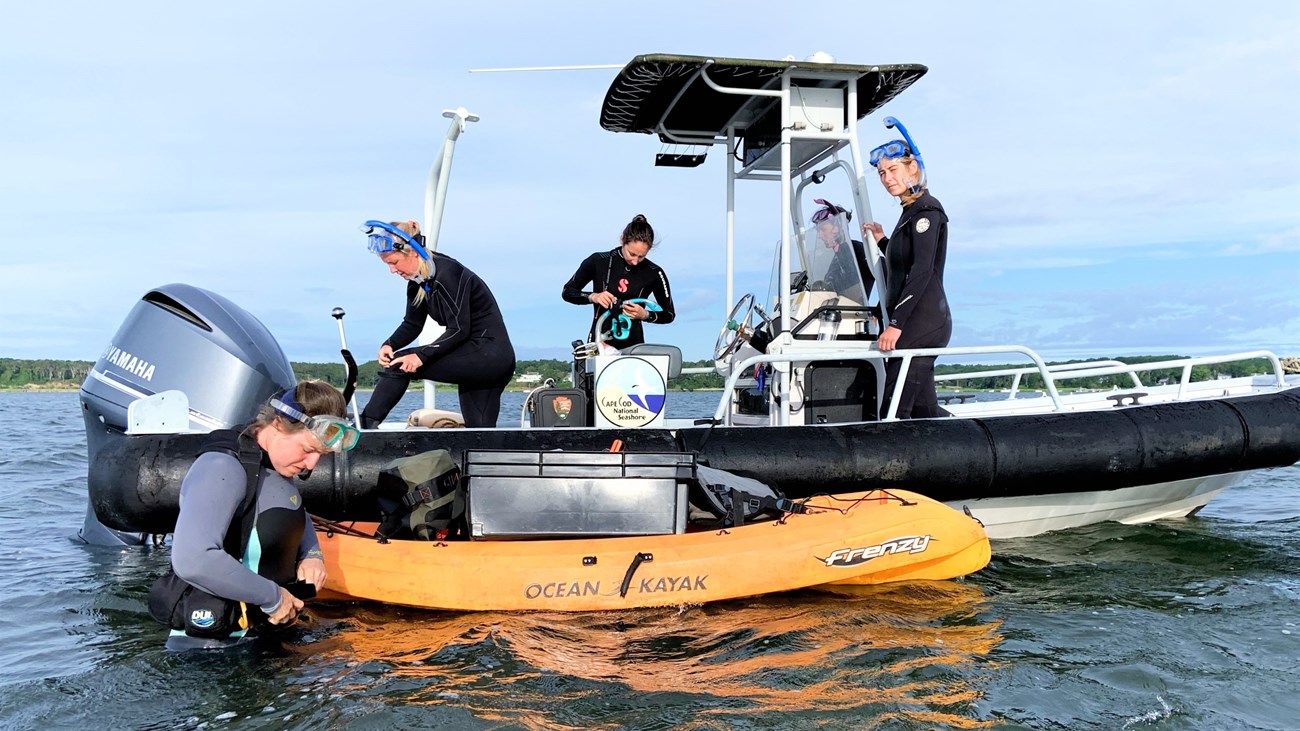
(901, 148)
(621, 326)
(383, 238)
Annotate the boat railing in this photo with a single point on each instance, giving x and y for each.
(1090, 369)
(1049, 374)
(1018, 373)
(722, 415)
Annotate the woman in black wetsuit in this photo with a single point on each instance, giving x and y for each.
(621, 274)
(914, 260)
(474, 352)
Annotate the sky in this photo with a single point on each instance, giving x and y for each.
(1120, 178)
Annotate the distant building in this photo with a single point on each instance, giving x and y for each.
(530, 378)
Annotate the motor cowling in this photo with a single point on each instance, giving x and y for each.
(179, 337)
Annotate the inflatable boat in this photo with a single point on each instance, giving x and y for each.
(856, 538)
(802, 412)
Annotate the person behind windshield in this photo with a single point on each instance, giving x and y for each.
(914, 260)
(473, 352)
(291, 432)
(622, 274)
(848, 272)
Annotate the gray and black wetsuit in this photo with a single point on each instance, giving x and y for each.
(608, 271)
(282, 536)
(474, 352)
(914, 259)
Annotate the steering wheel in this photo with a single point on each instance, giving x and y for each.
(738, 327)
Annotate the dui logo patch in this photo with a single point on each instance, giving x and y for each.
(922, 225)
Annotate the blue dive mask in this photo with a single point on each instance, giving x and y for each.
(895, 149)
(382, 238)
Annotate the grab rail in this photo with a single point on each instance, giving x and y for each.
(1049, 374)
(1066, 371)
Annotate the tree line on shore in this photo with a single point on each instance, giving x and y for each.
(49, 373)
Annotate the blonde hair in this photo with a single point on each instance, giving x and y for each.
(911, 196)
(412, 229)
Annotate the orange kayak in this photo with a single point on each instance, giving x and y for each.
(856, 538)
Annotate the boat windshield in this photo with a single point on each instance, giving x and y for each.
(822, 260)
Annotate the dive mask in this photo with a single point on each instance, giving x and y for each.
(895, 149)
(830, 210)
(382, 238)
(891, 149)
(336, 434)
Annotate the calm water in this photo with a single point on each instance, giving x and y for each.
(1188, 624)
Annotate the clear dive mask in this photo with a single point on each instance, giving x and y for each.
(336, 434)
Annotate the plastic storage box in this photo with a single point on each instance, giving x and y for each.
(532, 494)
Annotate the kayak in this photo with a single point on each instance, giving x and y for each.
(855, 538)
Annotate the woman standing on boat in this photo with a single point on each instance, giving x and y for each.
(621, 274)
(914, 260)
(473, 352)
(242, 533)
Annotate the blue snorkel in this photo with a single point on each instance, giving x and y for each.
(621, 327)
(380, 244)
(891, 150)
(380, 240)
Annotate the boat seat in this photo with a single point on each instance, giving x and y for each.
(435, 419)
(673, 352)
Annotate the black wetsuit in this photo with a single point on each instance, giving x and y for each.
(608, 271)
(474, 352)
(849, 271)
(914, 260)
(282, 536)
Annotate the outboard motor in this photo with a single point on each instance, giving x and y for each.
(186, 339)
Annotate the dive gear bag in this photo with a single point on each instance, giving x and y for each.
(735, 500)
(422, 497)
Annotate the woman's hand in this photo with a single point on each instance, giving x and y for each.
(409, 363)
(635, 311)
(604, 299)
(874, 230)
(290, 605)
(312, 570)
(888, 339)
(385, 355)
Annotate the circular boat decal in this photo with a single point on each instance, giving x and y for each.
(630, 392)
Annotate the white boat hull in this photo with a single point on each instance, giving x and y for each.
(1030, 515)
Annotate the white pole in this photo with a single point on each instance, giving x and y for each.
(435, 198)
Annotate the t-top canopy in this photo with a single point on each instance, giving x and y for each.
(668, 89)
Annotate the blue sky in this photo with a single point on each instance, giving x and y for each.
(1121, 178)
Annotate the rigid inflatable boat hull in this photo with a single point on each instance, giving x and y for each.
(134, 481)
